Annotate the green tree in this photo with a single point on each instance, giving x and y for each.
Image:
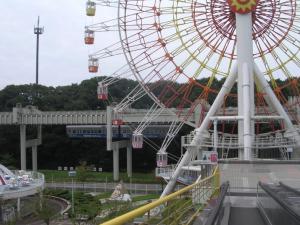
(7, 159)
(82, 171)
(43, 210)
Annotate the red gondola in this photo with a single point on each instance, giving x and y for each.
(102, 91)
(117, 119)
(89, 36)
(93, 65)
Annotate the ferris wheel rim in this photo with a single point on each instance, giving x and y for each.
(138, 78)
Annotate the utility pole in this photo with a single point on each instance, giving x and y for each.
(37, 31)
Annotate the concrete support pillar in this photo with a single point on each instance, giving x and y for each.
(34, 158)
(199, 153)
(41, 196)
(108, 128)
(129, 161)
(116, 162)
(23, 146)
(18, 207)
(39, 132)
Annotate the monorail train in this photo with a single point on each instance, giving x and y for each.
(118, 132)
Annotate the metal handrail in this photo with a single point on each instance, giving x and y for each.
(280, 201)
(216, 211)
(289, 188)
(215, 177)
(232, 141)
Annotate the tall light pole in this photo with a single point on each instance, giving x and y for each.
(37, 31)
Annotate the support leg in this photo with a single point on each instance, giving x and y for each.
(276, 104)
(129, 160)
(116, 162)
(34, 158)
(230, 80)
(23, 146)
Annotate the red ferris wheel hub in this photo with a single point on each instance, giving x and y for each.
(242, 6)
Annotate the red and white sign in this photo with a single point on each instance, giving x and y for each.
(210, 157)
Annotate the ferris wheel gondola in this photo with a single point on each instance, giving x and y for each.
(90, 8)
(137, 140)
(89, 36)
(102, 91)
(161, 159)
(93, 65)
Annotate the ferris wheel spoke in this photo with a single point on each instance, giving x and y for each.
(145, 62)
(135, 94)
(110, 51)
(122, 72)
(175, 94)
(107, 3)
(104, 26)
(172, 132)
(292, 56)
(152, 114)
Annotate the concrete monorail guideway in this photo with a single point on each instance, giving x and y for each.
(30, 115)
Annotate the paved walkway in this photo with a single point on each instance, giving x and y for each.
(57, 222)
(62, 222)
(245, 216)
(134, 188)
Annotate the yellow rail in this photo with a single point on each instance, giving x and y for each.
(146, 208)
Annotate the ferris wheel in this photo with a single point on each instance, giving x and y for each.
(184, 41)
(170, 45)
(180, 50)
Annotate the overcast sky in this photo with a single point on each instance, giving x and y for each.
(63, 55)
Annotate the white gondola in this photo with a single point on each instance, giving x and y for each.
(93, 65)
(137, 140)
(162, 159)
(89, 36)
(90, 8)
(102, 91)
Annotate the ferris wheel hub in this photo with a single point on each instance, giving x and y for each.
(242, 6)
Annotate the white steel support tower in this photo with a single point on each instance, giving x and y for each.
(243, 73)
(245, 82)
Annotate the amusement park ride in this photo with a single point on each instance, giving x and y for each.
(252, 45)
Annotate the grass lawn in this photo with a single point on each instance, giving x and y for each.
(91, 206)
(145, 197)
(62, 176)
